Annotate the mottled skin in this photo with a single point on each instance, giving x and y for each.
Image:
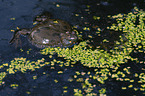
(48, 32)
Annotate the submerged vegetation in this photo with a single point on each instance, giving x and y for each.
(105, 65)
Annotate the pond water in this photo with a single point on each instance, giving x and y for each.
(24, 11)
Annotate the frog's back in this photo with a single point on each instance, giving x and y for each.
(50, 33)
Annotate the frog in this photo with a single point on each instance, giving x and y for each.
(47, 32)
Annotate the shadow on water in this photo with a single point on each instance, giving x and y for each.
(24, 11)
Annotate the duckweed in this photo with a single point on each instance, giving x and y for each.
(34, 77)
(78, 92)
(2, 76)
(120, 54)
(102, 91)
(55, 80)
(14, 86)
(105, 64)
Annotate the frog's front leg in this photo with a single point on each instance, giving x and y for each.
(16, 37)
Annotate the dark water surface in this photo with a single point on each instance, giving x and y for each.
(24, 11)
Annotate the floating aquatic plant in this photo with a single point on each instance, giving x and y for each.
(105, 64)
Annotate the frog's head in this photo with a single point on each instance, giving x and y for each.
(69, 39)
